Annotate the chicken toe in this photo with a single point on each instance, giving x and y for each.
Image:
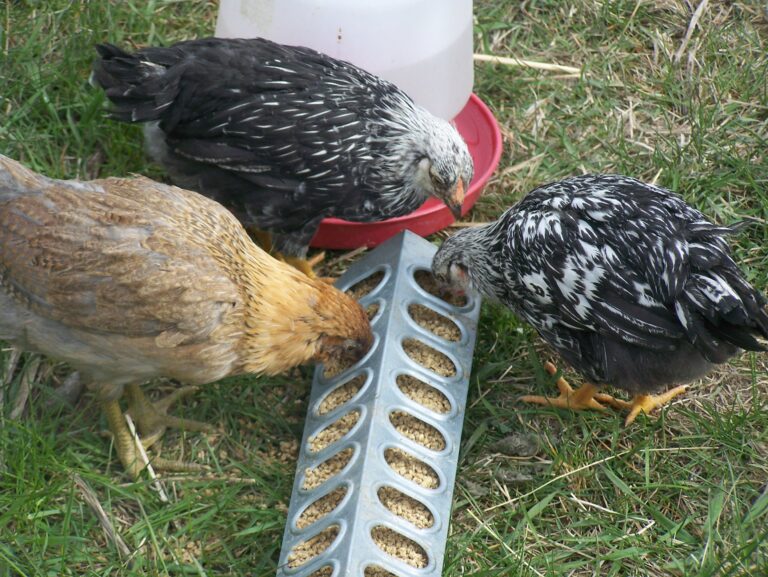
(306, 265)
(647, 403)
(585, 397)
(152, 419)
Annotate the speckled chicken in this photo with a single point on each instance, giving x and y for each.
(630, 285)
(285, 136)
(129, 280)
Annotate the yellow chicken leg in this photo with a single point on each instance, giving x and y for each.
(152, 419)
(647, 403)
(585, 397)
(128, 452)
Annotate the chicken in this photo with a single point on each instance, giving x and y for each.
(285, 136)
(628, 283)
(129, 280)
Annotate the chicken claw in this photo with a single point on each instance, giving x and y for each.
(152, 419)
(306, 265)
(647, 403)
(129, 453)
(585, 397)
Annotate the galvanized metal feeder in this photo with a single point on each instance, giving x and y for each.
(377, 464)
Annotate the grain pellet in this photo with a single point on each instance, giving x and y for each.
(399, 546)
(424, 394)
(334, 431)
(429, 358)
(434, 322)
(417, 430)
(320, 508)
(410, 509)
(411, 468)
(428, 283)
(311, 548)
(314, 477)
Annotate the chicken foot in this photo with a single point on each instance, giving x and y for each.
(151, 421)
(647, 403)
(127, 450)
(585, 397)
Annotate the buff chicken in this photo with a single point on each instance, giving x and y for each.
(632, 287)
(129, 280)
(285, 136)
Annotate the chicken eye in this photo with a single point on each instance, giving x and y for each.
(435, 178)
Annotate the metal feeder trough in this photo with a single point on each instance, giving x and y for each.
(377, 465)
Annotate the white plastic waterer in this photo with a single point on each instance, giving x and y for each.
(423, 46)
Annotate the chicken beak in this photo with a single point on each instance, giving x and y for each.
(456, 200)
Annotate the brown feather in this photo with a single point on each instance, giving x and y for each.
(128, 279)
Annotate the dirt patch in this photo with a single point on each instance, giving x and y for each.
(311, 548)
(429, 358)
(424, 394)
(434, 322)
(399, 546)
(320, 508)
(417, 430)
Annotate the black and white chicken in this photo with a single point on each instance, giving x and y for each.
(630, 285)
(285, 136)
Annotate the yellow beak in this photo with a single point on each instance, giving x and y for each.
(457, 199)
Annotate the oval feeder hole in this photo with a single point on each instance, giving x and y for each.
(316, 476)
(312, 547)
(341, 394)
(429, 358)
(405, 507)
(334, 431)
(412, 468)
(326, 571)
(424, 394)
(321, 508)
(428, 284)
(399, 546)
(365, 286)
(434, 322)
(417, 430)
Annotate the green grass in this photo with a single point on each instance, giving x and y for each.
(681, 494)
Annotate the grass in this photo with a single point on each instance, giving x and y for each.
(684, 493)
